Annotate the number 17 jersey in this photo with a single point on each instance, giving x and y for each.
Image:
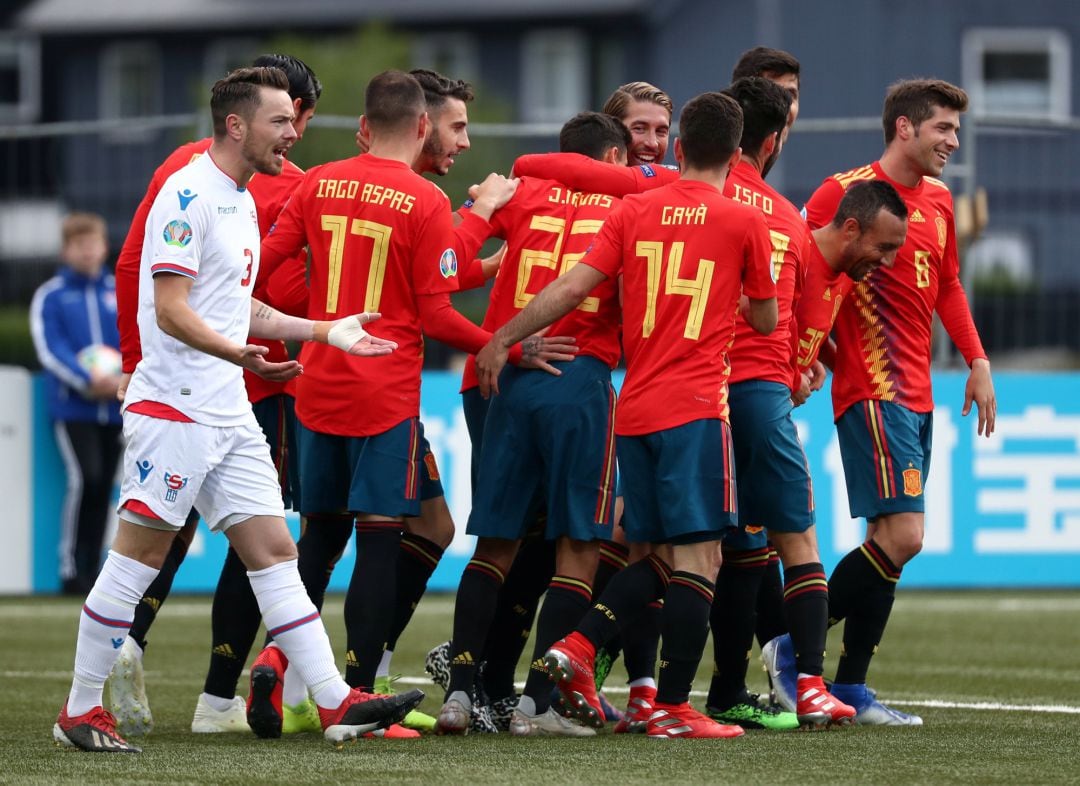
(379, 235)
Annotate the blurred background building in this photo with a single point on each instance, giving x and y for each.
(95, 94)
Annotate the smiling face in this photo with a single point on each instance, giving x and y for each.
(874, 247)
(447, 139)
(269, 133)
(649, 125)
(933, 141)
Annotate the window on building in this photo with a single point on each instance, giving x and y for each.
(554, 75)
(20, 79)
(130, 81)
(1018, 72)
(452, 54)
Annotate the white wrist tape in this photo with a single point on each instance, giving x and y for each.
(346, 332)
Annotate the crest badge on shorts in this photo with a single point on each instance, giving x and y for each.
(913, 482)
(432, 467)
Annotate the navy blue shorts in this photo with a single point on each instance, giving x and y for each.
(774, 478)
(475, 408)
(276, 416)
(386, 474)
(886, 453)
(679, 484)
(549, 438)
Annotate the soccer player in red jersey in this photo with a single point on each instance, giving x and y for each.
(380, 235)
(775, 492)
(868, 229)
(549, 439)
(235, 618)
(427, 535)
(685, 253)
(882, 398)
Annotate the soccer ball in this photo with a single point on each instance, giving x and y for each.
(100, 360)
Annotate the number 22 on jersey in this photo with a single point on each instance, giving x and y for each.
(340, 230)
(697, 288)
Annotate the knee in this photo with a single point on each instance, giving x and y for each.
(434, 523)
(497, 551)
(901, 536)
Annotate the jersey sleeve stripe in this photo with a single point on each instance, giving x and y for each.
(172, 267)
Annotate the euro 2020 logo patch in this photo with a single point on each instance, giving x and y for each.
(177, 234)
(448, 263)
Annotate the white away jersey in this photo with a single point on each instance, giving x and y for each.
(202, 226)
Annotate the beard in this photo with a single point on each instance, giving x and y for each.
(265, 163)
(768, 165)
(434, 152)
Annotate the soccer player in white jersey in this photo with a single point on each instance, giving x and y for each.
(192, 439)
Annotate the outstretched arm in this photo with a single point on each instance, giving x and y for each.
(555, 300)
(347, 333)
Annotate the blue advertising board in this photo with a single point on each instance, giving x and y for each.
(1001, 512)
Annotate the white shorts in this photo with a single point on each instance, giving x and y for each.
(223, 472)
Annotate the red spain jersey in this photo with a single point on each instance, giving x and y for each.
(771, 357)
(685, 252)
(547, 228)
(379, 235)
(816, 309)
(883, 330)
(270, 194)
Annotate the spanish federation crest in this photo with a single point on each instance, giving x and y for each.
(942, 231)
(913, 482)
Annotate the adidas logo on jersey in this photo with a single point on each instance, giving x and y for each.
(916, 217)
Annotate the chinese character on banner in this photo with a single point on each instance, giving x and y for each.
(1030, 471)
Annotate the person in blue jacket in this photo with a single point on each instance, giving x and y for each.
(73, 323)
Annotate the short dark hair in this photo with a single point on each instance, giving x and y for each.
(915, 99)
(865, 199)
(710, 127)
(438, 88)
(303, 83)
(618, 103)
(592, 134)
(762, 61)
(237, 93)
(392, 99)
(765, 107)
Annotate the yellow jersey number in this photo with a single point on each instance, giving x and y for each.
(340, 228)
(696, 288)
(531, 257)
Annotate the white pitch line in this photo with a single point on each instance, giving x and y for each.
(985, 706)
(948, 705)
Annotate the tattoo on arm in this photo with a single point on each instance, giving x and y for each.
(264, 312)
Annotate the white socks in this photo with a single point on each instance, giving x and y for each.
(644, 682)
(291, 618)
(103, 625)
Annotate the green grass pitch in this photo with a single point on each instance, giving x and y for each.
(995, 676)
